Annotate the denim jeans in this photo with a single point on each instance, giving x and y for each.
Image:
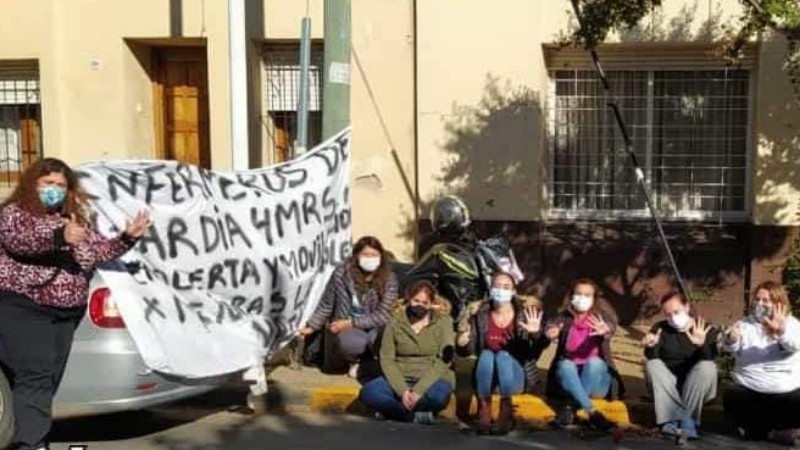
(379, 396)
(503, 368)
(583, 381)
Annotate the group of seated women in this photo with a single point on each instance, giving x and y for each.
(414, 342)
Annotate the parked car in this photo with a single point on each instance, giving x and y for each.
(105, 372)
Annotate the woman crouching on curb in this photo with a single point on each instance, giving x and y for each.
(416, 355)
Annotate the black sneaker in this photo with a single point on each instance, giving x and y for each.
(565, 417)
(599, 422)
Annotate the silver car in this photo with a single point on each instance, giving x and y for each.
(105, 372)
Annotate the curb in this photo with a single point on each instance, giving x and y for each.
(528, 408)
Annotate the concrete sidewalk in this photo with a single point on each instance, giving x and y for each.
(309, 390)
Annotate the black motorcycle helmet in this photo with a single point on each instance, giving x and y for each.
(450, 214)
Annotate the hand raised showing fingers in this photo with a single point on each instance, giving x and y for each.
(599, 326)
(698, 332)
(652, 339)
(532, 322)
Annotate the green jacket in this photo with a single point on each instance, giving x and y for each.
(421, 359)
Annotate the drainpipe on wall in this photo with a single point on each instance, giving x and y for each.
(301, 145)
(415, 82)
(336, 84)
(237, 49)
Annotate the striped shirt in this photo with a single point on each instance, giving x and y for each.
(340, 297)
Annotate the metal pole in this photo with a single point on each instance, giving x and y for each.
(640, 178)
(336, 84)
(237, 47)
(303, 96)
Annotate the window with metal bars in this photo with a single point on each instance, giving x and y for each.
(20, 118)
(282, 89)
(690, 134)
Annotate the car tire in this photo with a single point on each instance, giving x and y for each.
(6, 412)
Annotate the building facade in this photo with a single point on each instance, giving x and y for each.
(468, 97)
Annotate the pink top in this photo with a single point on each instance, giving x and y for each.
(581, 346)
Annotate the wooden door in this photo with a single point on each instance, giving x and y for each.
(181, 102)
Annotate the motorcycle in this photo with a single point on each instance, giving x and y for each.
(461, 269)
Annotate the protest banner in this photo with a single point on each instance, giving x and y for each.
(234, 263)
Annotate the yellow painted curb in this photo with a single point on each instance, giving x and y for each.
(528, 408)
(333, 399)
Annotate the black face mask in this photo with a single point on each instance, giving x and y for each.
(416, 312)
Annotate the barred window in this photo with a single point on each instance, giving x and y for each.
(282, 88)
(20, 118)
(689, 131)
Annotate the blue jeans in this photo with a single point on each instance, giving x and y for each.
(500, 366)
(585, 380)
(379, 396)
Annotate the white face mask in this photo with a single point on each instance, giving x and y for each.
(501, 295)
(582, 303)
(762, 311)
(369, 263)
(679, 320)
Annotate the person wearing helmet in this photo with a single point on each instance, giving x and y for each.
(450, 214)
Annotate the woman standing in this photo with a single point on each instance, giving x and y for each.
(48, 252)
(416, 356)
(506, 337)
(357, 302)
(583, 367)
(765, 399)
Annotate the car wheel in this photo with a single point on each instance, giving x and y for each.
(6, 413)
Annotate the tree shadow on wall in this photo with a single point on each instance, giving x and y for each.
(680, 28)
(492, 154)
(496, 155)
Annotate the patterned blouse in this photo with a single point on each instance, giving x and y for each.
(36, 262)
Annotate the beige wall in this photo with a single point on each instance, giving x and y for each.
(776, 163)
(382, 206)
(482, 88)
(482, 94)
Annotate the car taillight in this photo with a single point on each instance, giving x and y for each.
(103, 310)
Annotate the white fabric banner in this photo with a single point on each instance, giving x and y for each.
(234, 263)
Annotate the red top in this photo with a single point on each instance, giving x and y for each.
(496, 337)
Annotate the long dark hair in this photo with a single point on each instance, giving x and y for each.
(380, 278)
(26, 194)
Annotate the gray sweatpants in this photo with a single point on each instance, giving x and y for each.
(354, 342)
(673, 405)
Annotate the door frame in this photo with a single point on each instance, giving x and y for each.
(160, 54)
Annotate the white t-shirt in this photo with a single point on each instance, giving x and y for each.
(766, 364)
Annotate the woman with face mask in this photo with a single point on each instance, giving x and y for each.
(680, 368)
(583, 367)
(506, 336)
(49, 249)
(357, 302)
(765, 399)
(416, 355)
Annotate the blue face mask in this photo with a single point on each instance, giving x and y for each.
(52, 196)
(500, 295)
